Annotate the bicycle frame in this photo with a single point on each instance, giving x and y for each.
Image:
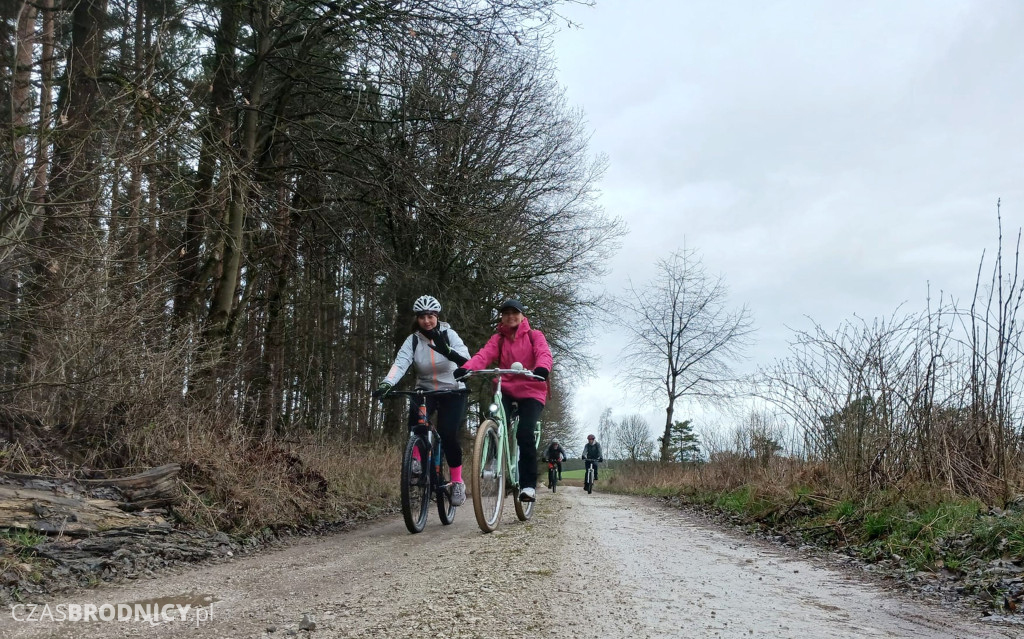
(507, 446)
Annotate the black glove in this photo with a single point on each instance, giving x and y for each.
(435, 335)
(458, 359)
(442, 346)
(460, 372)
(542, 372)
(382, 390)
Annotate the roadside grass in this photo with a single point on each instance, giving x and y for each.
(604, 473)
(18, 556)
(21, 540)
(919, 527)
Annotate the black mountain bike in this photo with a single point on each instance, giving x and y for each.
(433, 481)
(552, 475)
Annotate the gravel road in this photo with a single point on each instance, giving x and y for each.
(598, 565)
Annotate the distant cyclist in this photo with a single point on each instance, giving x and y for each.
(435, 350)
(555, 453)
(592, 454)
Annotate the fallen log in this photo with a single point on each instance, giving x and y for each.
(154, 487)
(78, 507)
(50, 513)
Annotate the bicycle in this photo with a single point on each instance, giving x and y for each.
(552, 475)
(433, 482)
(588, 480)
(495, 458)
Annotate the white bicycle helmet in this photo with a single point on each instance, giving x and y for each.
(426, 304)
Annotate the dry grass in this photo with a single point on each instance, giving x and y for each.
(241, 484)
(231, 480)
(778, 476)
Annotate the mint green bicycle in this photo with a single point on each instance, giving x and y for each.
(496, 459)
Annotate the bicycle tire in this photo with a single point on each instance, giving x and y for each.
(553, 480)
(488, 480)
(524, 509)
(443, 494)
(415, 490)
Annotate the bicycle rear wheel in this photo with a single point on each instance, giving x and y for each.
(488, 480)
(524, 509)
(415, 487)
(445, 509)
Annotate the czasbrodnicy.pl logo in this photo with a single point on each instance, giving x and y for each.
(153, 613)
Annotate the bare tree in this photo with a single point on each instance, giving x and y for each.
(684, 337)
(633, 440)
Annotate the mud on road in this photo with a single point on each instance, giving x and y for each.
(599, 565)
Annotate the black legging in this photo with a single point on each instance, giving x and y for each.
(451, 408)
(529, 413)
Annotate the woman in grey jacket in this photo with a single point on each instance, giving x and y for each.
(434, 350)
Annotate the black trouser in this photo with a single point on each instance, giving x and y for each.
(591, 462)
(451, 408)
(529, 413)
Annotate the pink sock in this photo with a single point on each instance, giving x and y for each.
(416, 453)
(457, 474)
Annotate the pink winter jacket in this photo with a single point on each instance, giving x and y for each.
(523, 345)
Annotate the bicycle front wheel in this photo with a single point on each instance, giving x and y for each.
(552, 479)
(415, 486)
(488, 480)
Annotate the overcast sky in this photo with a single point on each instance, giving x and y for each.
(828, 159)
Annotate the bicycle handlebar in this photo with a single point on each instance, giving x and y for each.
(419, 392)
(501, 371)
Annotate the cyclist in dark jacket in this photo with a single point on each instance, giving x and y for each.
(556, 453)
(592, 454)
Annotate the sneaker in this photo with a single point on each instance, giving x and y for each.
(528, 494)
(458, 493)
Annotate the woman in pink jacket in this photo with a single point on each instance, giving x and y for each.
(515, 341)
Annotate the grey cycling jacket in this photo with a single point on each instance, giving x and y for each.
(434, 371)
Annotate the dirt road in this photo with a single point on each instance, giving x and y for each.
(600, 565)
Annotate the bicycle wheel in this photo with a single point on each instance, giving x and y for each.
(488, 480)
(415, 488)
(589, 484)
(552, 479)
(443, 492)
(524, 509)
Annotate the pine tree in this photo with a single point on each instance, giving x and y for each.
(684, 444)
